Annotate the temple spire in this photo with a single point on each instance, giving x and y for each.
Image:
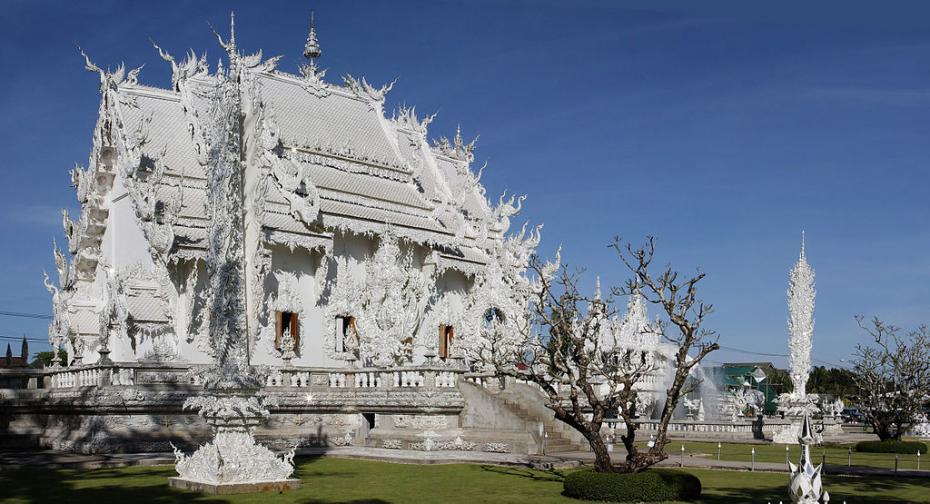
(801, 294)
(312, 48)
(232, 30)
(229, 45)
(597, 288)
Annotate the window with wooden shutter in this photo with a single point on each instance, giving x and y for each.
(289, 320)
(345, 330)
(446, 335)
(408, 346)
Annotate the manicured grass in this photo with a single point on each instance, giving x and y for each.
(333, 480)
(836, 454)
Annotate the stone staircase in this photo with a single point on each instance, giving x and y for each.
(13, 442)
(527, 403)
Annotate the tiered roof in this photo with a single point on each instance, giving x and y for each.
(369, 171)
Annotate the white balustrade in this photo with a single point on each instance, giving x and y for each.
(412, 378)
(337, 380)
(125, 375)
(445, 379)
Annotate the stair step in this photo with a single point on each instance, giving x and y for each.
(18, 442)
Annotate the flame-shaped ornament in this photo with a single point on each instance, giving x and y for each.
(806, 486)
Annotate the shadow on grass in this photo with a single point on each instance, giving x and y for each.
(848, 489)
(357, 501)
(36, 486)
(537, 475)
(304, 468)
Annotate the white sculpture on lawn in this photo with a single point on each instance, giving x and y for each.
(801, 331)
(229, 403)
(800, 325)
(805, 485)
(747, 401)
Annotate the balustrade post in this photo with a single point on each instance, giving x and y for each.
(429, 378)
(103, 375)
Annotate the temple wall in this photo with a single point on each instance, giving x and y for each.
(124, 234)
(124, 244)
(302, 263)
(192, 351)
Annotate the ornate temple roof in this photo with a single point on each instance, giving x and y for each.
(294, 160)
(368, 171)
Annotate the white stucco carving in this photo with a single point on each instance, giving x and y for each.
(800, 322)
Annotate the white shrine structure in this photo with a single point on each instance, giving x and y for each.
(376, 270)
(376, 277)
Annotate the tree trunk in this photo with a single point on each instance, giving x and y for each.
(886, 431)
(601, 455)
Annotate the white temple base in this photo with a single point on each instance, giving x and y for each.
(235, 488)
(233, 461)
(789, 434)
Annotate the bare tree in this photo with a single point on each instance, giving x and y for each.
(684, 315)
(586, 375)
(893, 377)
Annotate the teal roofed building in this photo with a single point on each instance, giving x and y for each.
(763, 376)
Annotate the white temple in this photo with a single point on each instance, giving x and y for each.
(634, 331)
(374, 283)
(376, 277)
(364, 241)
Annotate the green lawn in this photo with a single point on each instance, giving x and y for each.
(836, 454)
(333, 480)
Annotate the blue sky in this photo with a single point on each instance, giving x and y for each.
(721, 129)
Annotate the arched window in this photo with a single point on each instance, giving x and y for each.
(493, 317)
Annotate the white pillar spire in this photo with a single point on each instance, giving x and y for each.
(802, 244)
(801, 295)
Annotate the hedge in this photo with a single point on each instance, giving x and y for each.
(652, 485)
(902, 447)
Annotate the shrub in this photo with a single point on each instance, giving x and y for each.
(648, 486)
(902, 447)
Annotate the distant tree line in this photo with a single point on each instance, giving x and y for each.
(837, 382)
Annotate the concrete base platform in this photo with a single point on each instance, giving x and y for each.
(234, 488)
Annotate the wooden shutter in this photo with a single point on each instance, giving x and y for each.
(278, 329)
(443, 346)
(295, 331)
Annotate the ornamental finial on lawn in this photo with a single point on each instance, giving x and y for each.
(805, 486)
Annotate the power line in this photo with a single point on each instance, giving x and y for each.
(751, 352)
(740, 350)
(20, 338)
(26, 315)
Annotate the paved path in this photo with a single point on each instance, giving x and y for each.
(60, 460)
(708, 463)
(57, 460)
